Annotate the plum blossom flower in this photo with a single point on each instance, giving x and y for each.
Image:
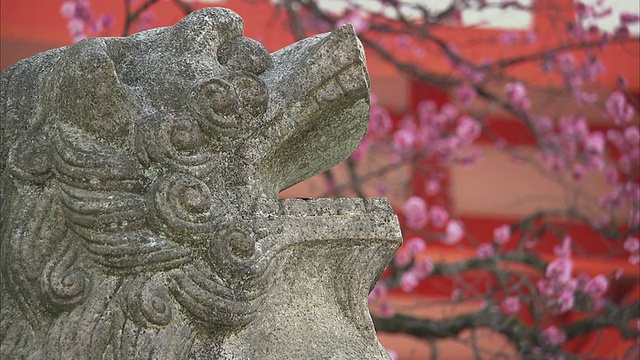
(432, 187)
(423, 267)
(502, 234)
(517, 95)
(629, 18)
(554, 336)
(564, 302)
(68, 9)
(409, 281)
(485, 251)
(560, 269)
(632, 135)
(632, 244)
(595, 142)
(415, 212)
(404, 139)
(578, 172)
(468, 129)
(597, 286)
(509, 37)
(564, 249)
(379, 121)
(416, 245)
(403, 257)
(465, 94)
(358, 19)
(438, 216)
(618, 108)
(454, 232)
(80, 19)
(511, 305)
(386, 309)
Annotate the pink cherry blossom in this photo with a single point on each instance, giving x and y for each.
(416, 245)
(578, 172)
(358, 19)
(629, 18)
(554, 336)
(618, 108)
(632, 135)
(415, 212)
(468, 128)
(597, 286)
(465, 94)
(386, 309)
(502, 234)
(68, 9)
(544, 124)
(403, 139)
(379, 121)
(564, 249)
(544, 287)
(403, 257)
(632, 244)
(432, 187)
(485, 251)
(511, 305)
(454, 232)
(611, 175)
(409, 281)
(509, 37)
(438, 216)
(595, 142)
(565, 302)
(560, 269)
(517, 95)
(423, 267)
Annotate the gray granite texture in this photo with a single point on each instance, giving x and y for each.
(140, 217)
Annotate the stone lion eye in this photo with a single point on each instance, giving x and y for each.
(220, 96)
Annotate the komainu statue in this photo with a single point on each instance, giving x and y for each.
(140, 216)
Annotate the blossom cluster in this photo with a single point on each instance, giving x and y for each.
(81, 21)
(560, 286)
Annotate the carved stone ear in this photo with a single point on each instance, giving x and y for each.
(246, 54)
(208, 29)
(85, 91)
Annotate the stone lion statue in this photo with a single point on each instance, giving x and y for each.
(140, 216)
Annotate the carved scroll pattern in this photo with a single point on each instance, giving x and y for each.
(109, 211)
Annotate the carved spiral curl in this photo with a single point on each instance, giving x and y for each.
(176, 142)
(234, 253)
(213, 103)
(184, 205)
(223, 106)
(148, 302)
(63, 285)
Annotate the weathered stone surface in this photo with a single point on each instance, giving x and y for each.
(140, 216)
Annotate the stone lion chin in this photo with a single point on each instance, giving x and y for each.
(140, 216)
